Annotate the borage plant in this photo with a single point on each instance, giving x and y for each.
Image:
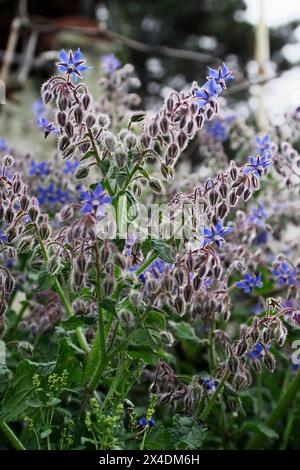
(139, 309)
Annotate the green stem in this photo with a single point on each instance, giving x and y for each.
(129, 178)
(286, 399)
(58, 289)
(99, 303)
(214, 396)
(92, 139)
(17, 444)
(146, 264)
(212, 353)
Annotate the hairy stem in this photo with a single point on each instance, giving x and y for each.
(60, 292)
(214, 396)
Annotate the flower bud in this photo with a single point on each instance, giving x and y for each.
(269, 361)
(61, 118)
(90, 121)
(78, 115)
(44, 231)
(156, 186)
(24, 203)
(81, 172)
(8, 161)
(167, 338)
(179, 305)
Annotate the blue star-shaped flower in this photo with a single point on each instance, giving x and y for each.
(258, 351)
(94, 200)
(48, 127)
(144, 422)
(285, 275)
(220, 75)
(258, 216)
(249, 283)
(208, 93)
(263, 145)
(215, 234)
(110, 63)
(38, 169)
(257, 165)
(71, 64)
(70, 167)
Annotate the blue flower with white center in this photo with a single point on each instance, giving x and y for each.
(207, 94)
(3, 145)
(258, 216)
(47, 127)
(94, 201)
(285, 275)
(70, 167)
(263, 145)
(257, 165)
(215, 234)
(220, 75)
(71, 64)
(3, 237)
(249, 283)
(110, 63)
(38, 169)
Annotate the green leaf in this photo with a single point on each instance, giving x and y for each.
(156, 320)
(5, 376)
(180, 433)
(93, 359)
(109, 305)
(163, 250)
(19, 393)
(87, 155)
(142, 337)
(67, 360)
(77, 321)
(184, 331)
(259, 428)
(45, 281)
(145, 353)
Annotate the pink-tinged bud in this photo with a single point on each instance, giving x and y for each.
(63, 103)
(61, 118)
(69, 129)
(8, 161)
(188, 292)
(153, 129)
(44, 231)
(9, 215)
(164, 125)
(64, 142)
(182, 138)
(78, 115)
(86, 101)
(173, 150)
(179, 305)
(33, 213)
(90, 121)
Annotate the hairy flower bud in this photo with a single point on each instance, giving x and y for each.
(81, 172)
(61, 118)
(44, 231)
